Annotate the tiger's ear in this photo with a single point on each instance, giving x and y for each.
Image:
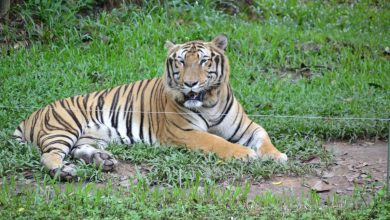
(169, 44)
(220, 42)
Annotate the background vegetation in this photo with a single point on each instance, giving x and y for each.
(313, 58)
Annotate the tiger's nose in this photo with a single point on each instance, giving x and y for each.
(191, 83)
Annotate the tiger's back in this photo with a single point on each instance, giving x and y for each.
(127, 114)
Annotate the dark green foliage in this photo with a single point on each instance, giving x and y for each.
(311, 58)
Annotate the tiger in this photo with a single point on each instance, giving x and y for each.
(191, 105)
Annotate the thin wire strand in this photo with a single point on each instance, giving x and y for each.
(249, 115)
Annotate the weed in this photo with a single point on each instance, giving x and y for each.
(287, 58)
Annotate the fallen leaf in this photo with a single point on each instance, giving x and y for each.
(86, 38)
(179, 22)
(277, 183)
(220, 162)
(328, 175)
(320, 187)
(20, 44)
(305, 71)
(386, 51)
(348, 99)
(312, 160)
(362, 165)
(28, 174)
(352, 177)
(309, 46)
(125, 183)
(122, 178)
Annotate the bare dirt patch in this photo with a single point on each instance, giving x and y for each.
(360, 164)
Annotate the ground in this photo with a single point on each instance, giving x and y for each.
(325, 60)
(361, 164)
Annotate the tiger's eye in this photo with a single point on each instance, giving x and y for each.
(203, 61)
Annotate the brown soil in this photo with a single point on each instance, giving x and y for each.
(360, 164)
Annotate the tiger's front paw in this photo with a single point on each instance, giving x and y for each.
(245, 153)
(282, 158)
(278, 157)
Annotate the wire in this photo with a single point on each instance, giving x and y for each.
(249, 115)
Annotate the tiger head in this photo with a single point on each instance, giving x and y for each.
(195, 72)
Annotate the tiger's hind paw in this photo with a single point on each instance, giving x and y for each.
(104, 160)
(65, 173)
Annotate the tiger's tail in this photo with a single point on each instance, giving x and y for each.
(19, 133)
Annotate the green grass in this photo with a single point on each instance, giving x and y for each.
(139, 201)
(170, 166)
(71, 51)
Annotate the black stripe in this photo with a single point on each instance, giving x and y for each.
(183, 129)
(47, 124)
(168, 71)
(171, 133)
(61, 142)
(129, 99)
(99, 109)
(72, 115)
(119, 135)
(82, 109)
(65, 125)
(125, 89)
(33, 125)
(92, 112)
(150, 115)
(216, 60)
(238, 127)
(48, 138)
(251, 138)
(227, 107)
(113, 111)
(139, 87)
(141, 129)
(242, 134)
(129, 115)
(222, 66)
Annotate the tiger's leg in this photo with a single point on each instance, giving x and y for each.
(53, 159)
(90, 147)
(212, 143)
(99, 157)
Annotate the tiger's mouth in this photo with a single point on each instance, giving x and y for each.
(195, 96)
(193, 100)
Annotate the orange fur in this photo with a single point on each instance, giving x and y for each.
(192, 105)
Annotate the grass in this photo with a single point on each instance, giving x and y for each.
(139, 201)
(287, 58)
